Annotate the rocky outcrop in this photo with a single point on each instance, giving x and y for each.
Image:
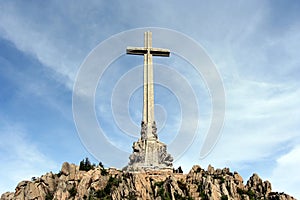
(100, 183)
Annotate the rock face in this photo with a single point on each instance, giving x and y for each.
(100, 183)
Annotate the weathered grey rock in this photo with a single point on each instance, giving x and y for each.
(210, 169)
(69, 170)
(65, 168)
(238, 179)
(279, 196)
(267, 187)
(7, 195)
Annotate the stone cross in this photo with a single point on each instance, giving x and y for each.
(148, 130)
(148, 152)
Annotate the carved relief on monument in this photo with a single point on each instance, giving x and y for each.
(164, 157)
(138, 155)
(154, 130)
(143, 130)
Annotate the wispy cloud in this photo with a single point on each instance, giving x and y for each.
(284, 174)
(21, 158)
(48, 40)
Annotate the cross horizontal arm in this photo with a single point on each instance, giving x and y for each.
(143, 50)
(160, 52)
(136, 50)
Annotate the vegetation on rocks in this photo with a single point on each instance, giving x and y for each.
(85, 165)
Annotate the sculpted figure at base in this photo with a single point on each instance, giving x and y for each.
(138, 154)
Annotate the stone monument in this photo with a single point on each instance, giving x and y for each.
(148, 152)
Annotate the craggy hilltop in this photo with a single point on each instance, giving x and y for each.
(95, 182)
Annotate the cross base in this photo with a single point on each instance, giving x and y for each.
(149, 155)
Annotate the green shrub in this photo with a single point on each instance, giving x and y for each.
(220, 177)
(72, 191)
(104, 172)
(101, 165)
(250, 193)
(179, 197)
(132, 196)
(106, 192)
(49, 196)
(224, 197)
(59, 174)
(159, 184)
(182, 186)
(240, 191)
(85, 165)
(162, 192)
(179, 170)
(228, 189)
(204, 196)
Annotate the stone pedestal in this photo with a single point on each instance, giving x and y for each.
(149, 155)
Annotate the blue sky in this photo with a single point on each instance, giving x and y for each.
(254, 44)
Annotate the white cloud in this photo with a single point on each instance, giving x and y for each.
(47, 40)
(260, 117)
(285, 175)
(261, 122)
(20, 158)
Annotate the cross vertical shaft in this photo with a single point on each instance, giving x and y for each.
(148, 130)
(148, 106)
